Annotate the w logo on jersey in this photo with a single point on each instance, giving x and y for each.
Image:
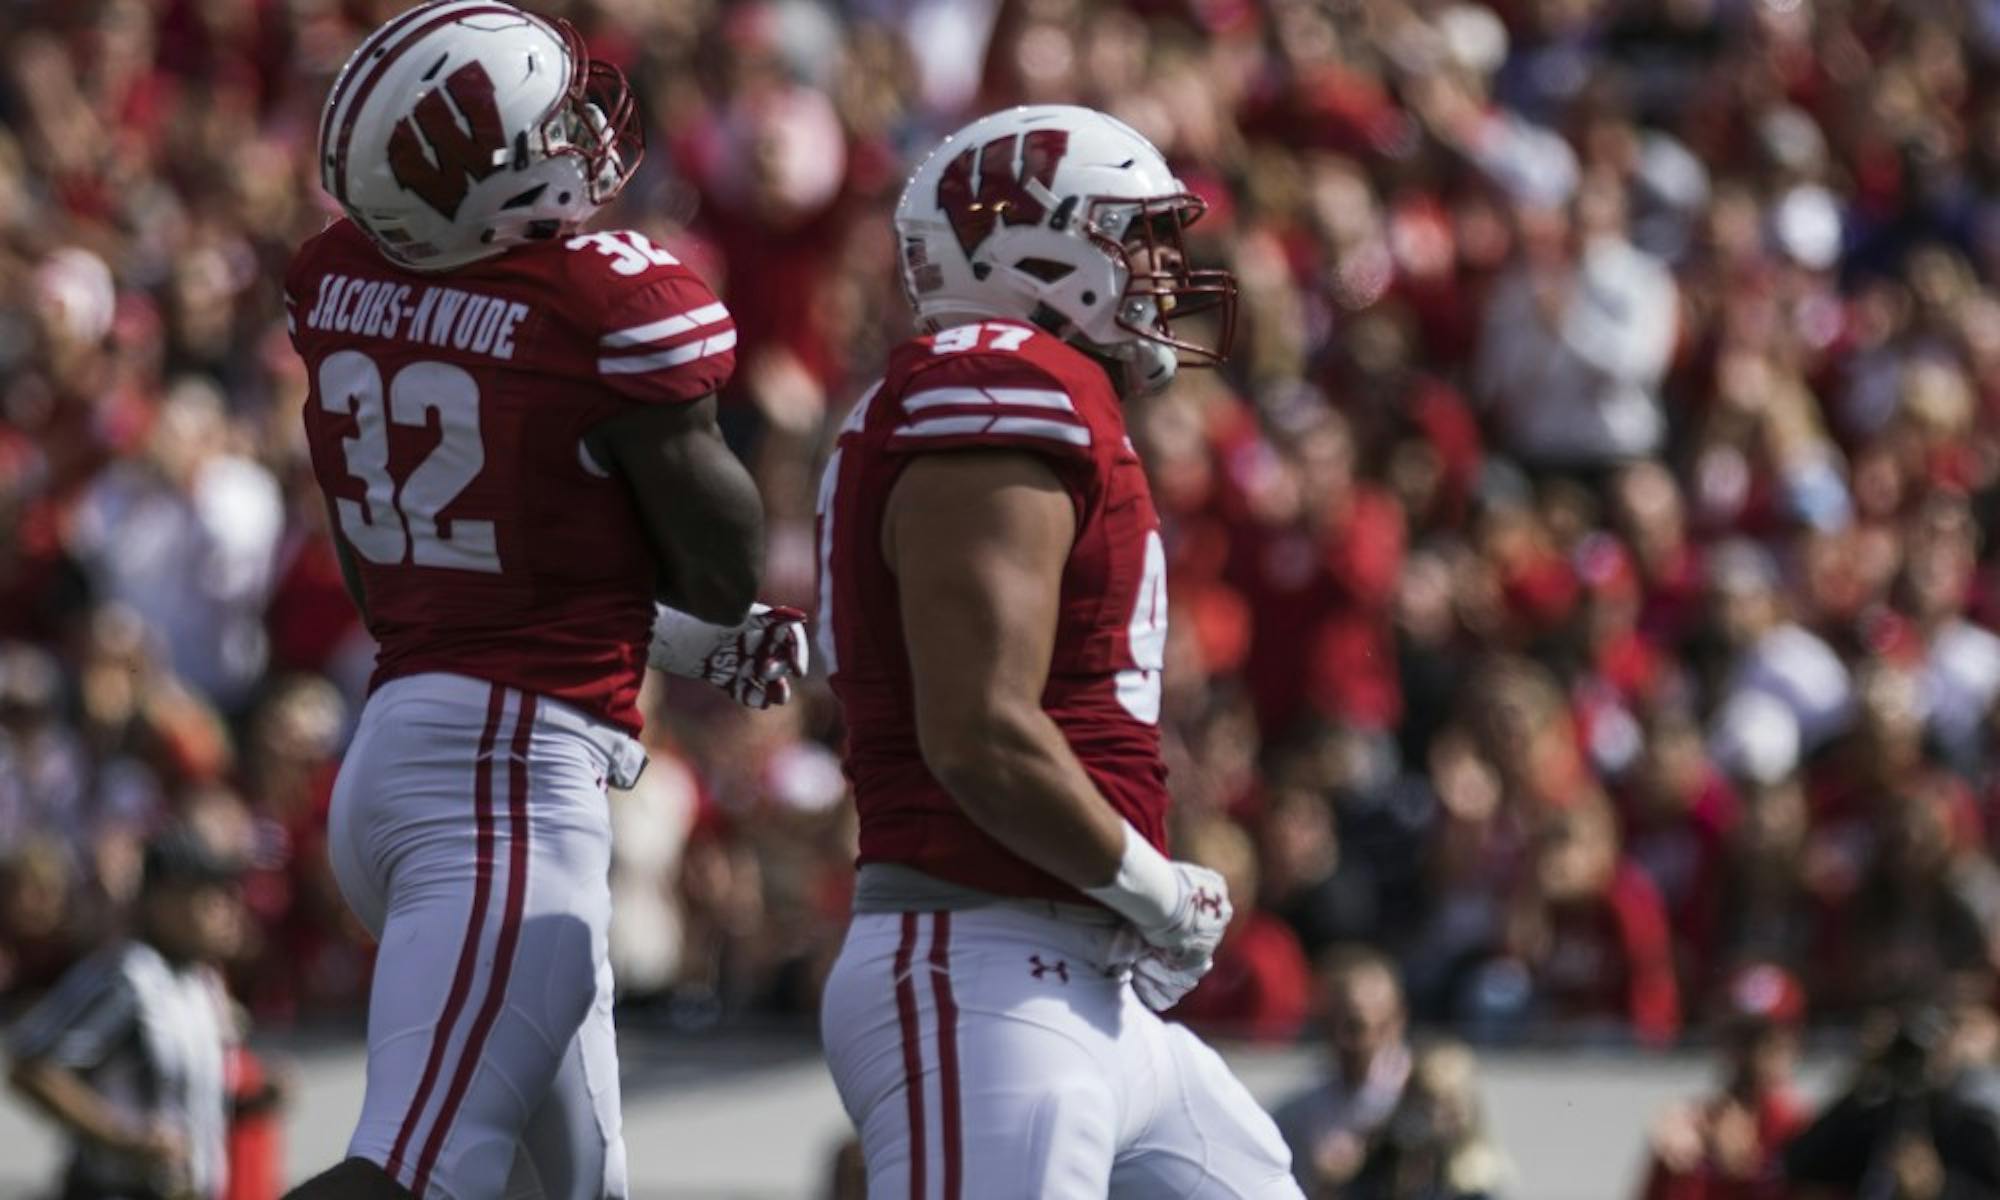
(463, 154)
(998, 195)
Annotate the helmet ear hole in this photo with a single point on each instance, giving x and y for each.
(1048, 270)
(526, 198)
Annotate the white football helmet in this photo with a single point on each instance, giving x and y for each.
(464, 127)
(1068, 218)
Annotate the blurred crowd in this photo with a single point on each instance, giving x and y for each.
(1583, 573)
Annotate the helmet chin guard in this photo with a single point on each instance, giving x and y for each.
(1149, 366)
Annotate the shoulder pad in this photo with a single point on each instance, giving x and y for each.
(988, 398)
(657, 332)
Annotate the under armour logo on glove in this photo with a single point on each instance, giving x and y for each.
(1208, 903)
(1059, 968)
(754, 662)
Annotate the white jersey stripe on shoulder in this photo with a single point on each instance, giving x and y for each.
(638, 363)
(944, 427)
(1047, 398)
(661, 330)
(1038, 427)
(1061, 431)
(1033, 398)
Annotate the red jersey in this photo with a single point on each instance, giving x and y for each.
(446, 421)
(1002, 385)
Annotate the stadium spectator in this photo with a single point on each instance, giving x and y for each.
(1912, 1120)
(1330, 1127)
(1727, 1146)
(1588, 936)
(1435, 1146)
(1577, 335)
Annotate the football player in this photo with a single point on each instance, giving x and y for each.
(993, 611)
(513, 423)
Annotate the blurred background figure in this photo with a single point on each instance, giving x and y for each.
(130, 1054)
(1916, 1119)
(1331, 1127)
(1435, 1146)
(1726, 1146)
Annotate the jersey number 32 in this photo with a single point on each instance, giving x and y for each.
(392, 524)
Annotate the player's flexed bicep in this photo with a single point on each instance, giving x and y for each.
(663, 345)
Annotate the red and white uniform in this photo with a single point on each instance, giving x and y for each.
(445, 421)
(999, 385)
(982, 1032)
(510, 584)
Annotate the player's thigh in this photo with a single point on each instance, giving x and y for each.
(390, 766)
(1207, 1138)
(490, 959)
(963, 1080)
(550, 1042)
(573, 1142)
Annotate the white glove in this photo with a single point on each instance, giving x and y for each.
(754, 662)
(1159, 983)
(1159, 979)
(1178, 907)
(1179, 910)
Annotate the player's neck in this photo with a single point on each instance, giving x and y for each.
(1112, 368)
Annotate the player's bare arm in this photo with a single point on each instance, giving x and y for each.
(65, 1096)
(699, 504)
(978, 540)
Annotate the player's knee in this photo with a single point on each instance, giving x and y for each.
(353, 1179)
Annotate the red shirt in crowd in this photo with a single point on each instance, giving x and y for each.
(1779, 1117)
(1260, 987)
(1323, 642)
(1611, 956)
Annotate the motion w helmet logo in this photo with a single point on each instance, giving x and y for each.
(999, 194)
(459, 154)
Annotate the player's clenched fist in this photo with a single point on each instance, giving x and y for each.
(1179, 909)
(755, 662)
(1160, 984)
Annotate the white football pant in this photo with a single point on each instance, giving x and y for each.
(992, 1054)
(470, 832)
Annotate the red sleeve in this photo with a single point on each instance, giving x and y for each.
(1642, 924)
(667, 341)
(654, 333)
(975, 400)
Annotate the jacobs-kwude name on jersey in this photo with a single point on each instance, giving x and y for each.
(999, 384)
(446, 422)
